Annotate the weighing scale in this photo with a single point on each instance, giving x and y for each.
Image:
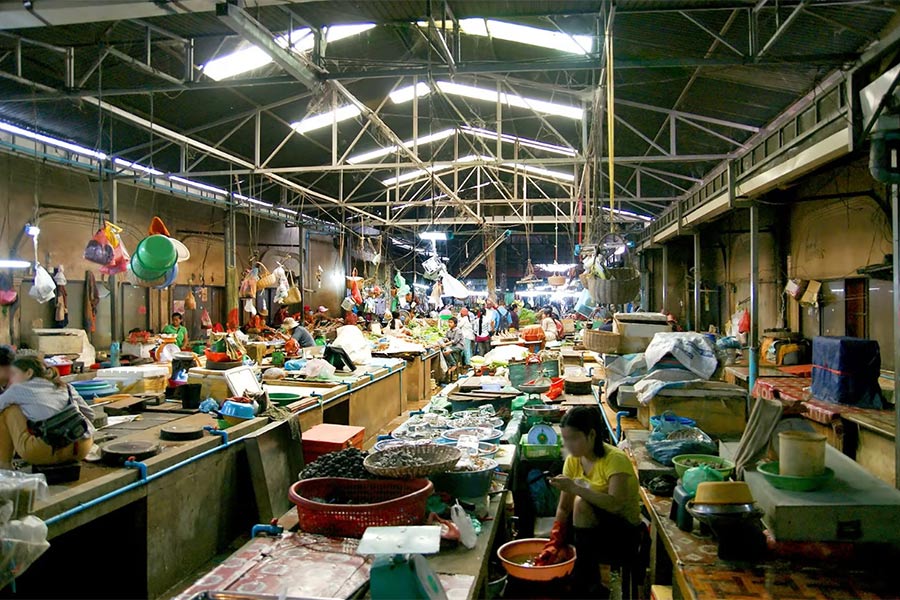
(542, 434)
(399, 569)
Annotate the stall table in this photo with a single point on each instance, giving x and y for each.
(689, 560)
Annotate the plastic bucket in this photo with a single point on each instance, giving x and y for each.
(157, 252)
(801, 453)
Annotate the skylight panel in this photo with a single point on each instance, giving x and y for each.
(541, 171)
(522, 34)
(405, 94)
(325, 119)
(487, 95)
(525, 142)
(251, 58)
(422, 140)
(52, 141)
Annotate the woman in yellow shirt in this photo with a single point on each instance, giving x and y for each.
(600, 498)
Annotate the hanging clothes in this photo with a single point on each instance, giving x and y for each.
(61, 315)
(91, 301)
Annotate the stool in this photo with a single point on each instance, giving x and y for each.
(61, 473)
(678, 513)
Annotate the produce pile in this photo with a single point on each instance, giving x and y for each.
(527, 317)
(346, 463)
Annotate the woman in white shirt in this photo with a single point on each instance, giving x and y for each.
(468, 334)
(549, 326)
(35, 394)
(482, 327)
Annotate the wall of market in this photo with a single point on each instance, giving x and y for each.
(66, 206)
(824, 227)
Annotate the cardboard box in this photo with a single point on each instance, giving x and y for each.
(326, 438)
(795, 288)
(720, 411)
(640, 325)
(811, 295)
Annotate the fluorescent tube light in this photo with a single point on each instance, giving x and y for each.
(14, 264)
(32, 135)
(556, 267)
(325, 119)
(135, 166)
(434, 236)
(422, 140)
(405, 94)
(197, 184)
(487, 95)
(417, 173)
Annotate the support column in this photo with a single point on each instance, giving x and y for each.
(490, 267)
(754, 296)
(895, 225)
(115, 306)
(696, 282)
(231, 275)
(665, 277)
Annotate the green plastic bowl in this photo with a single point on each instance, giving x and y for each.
(770, 471)
(724, 466)
(157, 252)
(142, 272)
(282, 398)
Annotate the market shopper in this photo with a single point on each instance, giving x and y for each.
(599, 499)
(514, 316)
(300, 334)
(468, 334)
(482, 329)
(177, 328)
(7, 355)
(453, 344)
(548, 325)
(36, 394)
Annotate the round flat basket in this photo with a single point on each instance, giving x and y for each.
(408, 462)
(622, 286)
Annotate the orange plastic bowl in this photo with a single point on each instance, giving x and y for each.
(509, 552)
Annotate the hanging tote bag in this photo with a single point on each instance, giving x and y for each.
(293, 295)
(248, 284)
(266, 279)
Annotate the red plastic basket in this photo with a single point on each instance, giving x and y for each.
(376, 503)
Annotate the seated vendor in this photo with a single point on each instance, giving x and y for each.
(599, 501)
(395, 324)
(7, 354)
(454, 344)
(299, 333)
(36, 393)
(177, 328)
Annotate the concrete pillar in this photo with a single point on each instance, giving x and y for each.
(115, 304)
(231, 274)
(696, 282)
(754, 296)
(665, 277)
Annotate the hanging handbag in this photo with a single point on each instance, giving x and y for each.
(98, 249)
(293, 295)
(62, 429)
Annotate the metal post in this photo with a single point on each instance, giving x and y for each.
(189, 60)
(665, 277)
(696, 282)
(895, 222)
(257, 131)
(114, 307)
(415, 117)
(231, 281)
(754, 296)
(70, 68)
(499, 123)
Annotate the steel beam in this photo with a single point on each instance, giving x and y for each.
(710, 32)
(141, 66)
(798, 10)
(253, 31)
(688, 115)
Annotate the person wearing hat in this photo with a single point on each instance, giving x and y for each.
(177, 328)
(320, 317)
(299, 333)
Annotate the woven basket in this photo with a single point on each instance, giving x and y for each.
(603, 342)
(373, 504)
(266, 279)
(439, 458)
(556, 280)
(622, 286)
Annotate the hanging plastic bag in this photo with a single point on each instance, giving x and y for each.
(462, 521)
(248, 284)
(190, 303)
(744, 324)
(44, 288)
(249, 307)
(98, 249)
(353, 284)
(347, 303)
(205, 320)
(263, 307)
(453, 286)
(120, 259)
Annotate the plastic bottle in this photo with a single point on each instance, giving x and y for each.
(114, 354)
